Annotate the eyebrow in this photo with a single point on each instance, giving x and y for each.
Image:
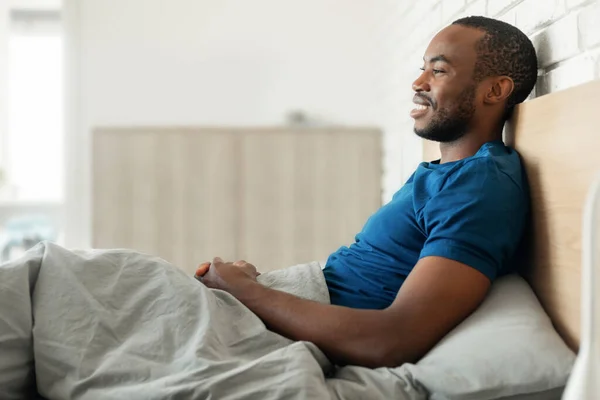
(439, 57)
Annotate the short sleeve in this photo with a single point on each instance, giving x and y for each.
(476, 218)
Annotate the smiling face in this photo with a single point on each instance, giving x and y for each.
(446, 95)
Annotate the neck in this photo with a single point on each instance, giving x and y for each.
(467, 145)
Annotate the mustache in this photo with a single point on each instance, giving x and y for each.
(426, 98)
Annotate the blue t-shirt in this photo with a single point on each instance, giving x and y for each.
(472, 211)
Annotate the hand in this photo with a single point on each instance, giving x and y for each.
(231, 277)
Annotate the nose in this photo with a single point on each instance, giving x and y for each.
(421, 84)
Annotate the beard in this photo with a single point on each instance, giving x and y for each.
(450, 125)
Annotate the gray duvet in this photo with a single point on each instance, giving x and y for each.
(122, 325)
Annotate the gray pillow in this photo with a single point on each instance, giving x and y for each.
(506, 349)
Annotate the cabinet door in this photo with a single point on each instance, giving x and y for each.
(170, 193)
(305, 192)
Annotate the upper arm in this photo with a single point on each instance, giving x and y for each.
(477, 219)
(437, 295)
(473, 226)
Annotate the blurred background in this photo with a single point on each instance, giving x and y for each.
(267, 130)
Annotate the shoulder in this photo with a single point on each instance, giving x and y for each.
(492, 187)
(493, 176)
(490, 174)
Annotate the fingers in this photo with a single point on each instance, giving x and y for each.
(249, 268)
(244, 265)
(202, 269)
(239, 263)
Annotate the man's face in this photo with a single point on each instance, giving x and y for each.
(445, 92)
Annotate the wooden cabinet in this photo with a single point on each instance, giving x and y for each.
(274, 197)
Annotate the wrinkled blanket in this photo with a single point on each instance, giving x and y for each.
(118, 324)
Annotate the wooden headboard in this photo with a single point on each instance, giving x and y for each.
(558, 138)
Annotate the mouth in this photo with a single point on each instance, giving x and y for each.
(420, 111)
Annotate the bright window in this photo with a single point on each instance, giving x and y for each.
(34, 144)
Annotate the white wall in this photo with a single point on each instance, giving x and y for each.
(4, 29)
(34, 4)
(566, 34)
(207, 62)
(237, 62)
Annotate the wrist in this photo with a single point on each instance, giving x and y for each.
(248, 291)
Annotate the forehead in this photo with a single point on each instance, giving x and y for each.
(457, 44)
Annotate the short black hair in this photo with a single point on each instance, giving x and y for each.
(504, 50)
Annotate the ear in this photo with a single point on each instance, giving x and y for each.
(499, 90)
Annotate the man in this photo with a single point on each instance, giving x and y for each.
(424, 261)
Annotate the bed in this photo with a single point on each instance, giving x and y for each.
(167, 336)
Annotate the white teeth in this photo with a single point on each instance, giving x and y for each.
(421, 107)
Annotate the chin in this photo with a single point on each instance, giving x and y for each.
(422, 131)
(420, 128)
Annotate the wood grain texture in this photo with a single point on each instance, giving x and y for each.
(306, 192)
(558, 139)
(272, 196)
(168, 192)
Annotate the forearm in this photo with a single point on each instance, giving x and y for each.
(438, 294)
(347, 336)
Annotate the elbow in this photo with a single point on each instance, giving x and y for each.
(392, 360)
(389, 359)
(392, 354)
(381, 346)
(375, 352)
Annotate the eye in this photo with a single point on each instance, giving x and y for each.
(435, 71)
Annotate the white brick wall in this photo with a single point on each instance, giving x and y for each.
(558, 42)
(566, 34)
